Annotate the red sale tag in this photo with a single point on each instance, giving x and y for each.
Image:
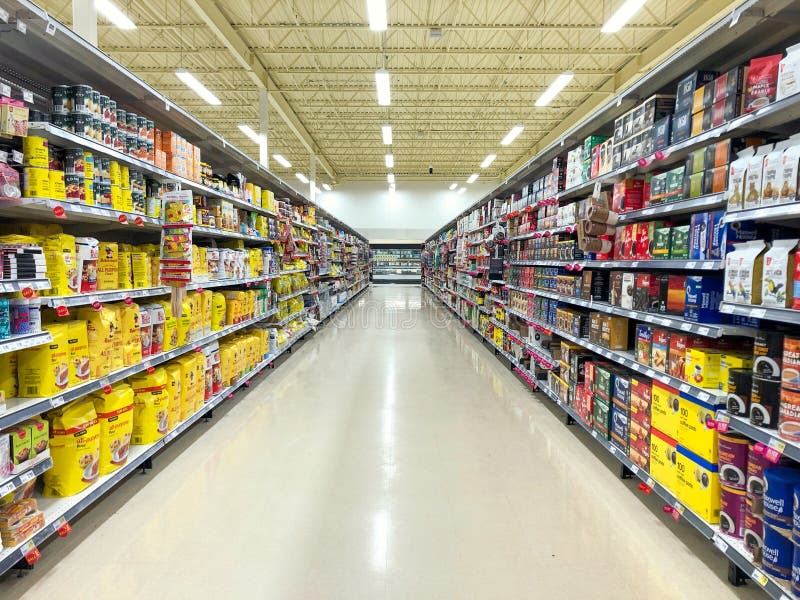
(107, 389)
(667, 508)
(247, 284)
(139, 221)
(711, 423)
(151, 370)
(772, 455)
(642, 162)
(676, 515)
(645, 489)
(62, 311)
(59, 212)
(63, 529)
(197, 349)
(31, 556)
(122, 219)
(128, 300)
(28, 292)
(759, 448)
(659, 155)
(199, 290)
(97, 305)
(723, 427)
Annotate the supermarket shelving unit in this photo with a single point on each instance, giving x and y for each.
(752, 29)
(39, 52)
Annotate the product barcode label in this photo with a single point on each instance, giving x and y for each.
(648, 211)
(597, 184)
(686, 326)
(57, 401)
(26, 476)
(3, 154)
(650, 482)
(7, 489)
(777, 445)
(51, 28)
(16, 155)
(650, 373)
(27, 96)
(759, 577)
(703, 330)
(684, 387)
(634, 469)
(720, 543)
(691, 265)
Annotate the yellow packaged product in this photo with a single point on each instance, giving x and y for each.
(218, 311)
(188, 385)
(58, 189)
(60, 257)
(117, 359)
(249, 305)
(197, 315)
(108, 266)
(150, 406)
(175, 399)
(170, 326)
(206, 306)
(130, 332)
(140, 269)
(127, 200)
(88, 175)
(74, 448)
(125, 271)
(225, 363)
(184, 322)
(101, 327)
(45, 370)
(80, 368)
(255, 262)
(8, 374)
(115, 415)
(200, 264)
(114, 173)
(200, 378)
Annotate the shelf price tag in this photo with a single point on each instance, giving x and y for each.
(30, 552)
(57, 401)
(759, 577)
(7, 488)
(4, 19)
(16, 155)
(635, 469)
(50, 29)
(21, 27)
(26, 476)
(594, 433)
(62, 527)
(720, 543)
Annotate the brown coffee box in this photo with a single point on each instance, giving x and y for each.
(614, 332)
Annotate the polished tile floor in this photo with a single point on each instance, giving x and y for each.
(392, 456)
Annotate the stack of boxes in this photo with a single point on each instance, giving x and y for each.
(689, 87)
(179, 156)
(637, 131)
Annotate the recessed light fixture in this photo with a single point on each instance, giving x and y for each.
(453, 186)
(111, 12)
(512, 135)
(462, 190)
(382, 87)
(301, 177)
(472, 178)
(282, 161)
(376, 12)
(622, 15)
(386, 130)
(248, 131)
(488, 160)
(554, 88)
(390, 178)
(197, 87)
(327, 187)
(389, 161)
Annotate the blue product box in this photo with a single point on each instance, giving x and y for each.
(622, 390)
(620, 427)
(698, 237)
(725, 235)
(703, 295)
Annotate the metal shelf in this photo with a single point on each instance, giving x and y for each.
(291, 317)
(479, 228)
(783, 315)
(680, 207)
(304, 225)
(292, 295)
(579, 265)
(768, 437)
(17, 481)
(44, 209)
(707, 330)
(212, 232)
(543, 233)
(28, 340)
(8, 286)
(778, 213)
(294, 271)
(19, 409)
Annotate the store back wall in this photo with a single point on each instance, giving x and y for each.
(415, 211)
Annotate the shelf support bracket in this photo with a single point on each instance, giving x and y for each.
(736, 576)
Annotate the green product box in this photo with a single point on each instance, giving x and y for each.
(695, 162)
(679, 242)
(693, 185)
(604, 383)
(661, 243)
(587, 169)
(590, 142)
(658, 189)
(601, 417)
(675, 184)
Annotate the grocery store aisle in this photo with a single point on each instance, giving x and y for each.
(391, 457)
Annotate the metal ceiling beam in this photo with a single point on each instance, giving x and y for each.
(370, 72)
(476, 51)
(533, 27)
(219, 25)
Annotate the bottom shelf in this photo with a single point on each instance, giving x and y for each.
(59, 511)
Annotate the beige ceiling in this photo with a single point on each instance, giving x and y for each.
(453, 99)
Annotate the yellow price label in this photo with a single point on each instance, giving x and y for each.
(760, 578)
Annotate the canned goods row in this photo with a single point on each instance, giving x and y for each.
(20, 316)
(82, 100)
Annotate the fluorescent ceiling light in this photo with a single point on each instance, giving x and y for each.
(376, 12)
(622, 15)
(326, 187)
(197, 87)
(512, 135)
(111, 12)
(390, 178)
(453, 186)
(392, 188)
(282, 161)
(248, 131)
(488, 160)
(389, 161)
(462, 190)
(382, 85)
(554, 88)
(387, 134)
(472, 178)
(301, 177)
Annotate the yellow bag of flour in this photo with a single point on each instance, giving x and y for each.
(115, 416)
(74, 447)
(174, 386)
(108, 266)
(45, 370)
(100, 329)
(150, 406)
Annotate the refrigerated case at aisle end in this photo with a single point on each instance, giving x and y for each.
(396, 264)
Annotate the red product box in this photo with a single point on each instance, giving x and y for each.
(676, 296)
(629, 241)
(660, 349)
(629, 194)
(679, 345)
(641, 399)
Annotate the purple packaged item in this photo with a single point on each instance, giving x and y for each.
(733, 460)
(731, 512)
